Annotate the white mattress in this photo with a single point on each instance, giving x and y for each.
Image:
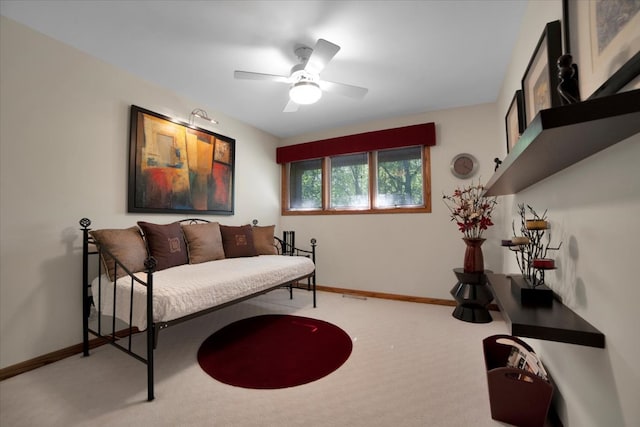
(186, 289)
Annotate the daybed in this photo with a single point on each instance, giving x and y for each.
(174, 272)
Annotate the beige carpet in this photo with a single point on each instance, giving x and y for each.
(412, 365)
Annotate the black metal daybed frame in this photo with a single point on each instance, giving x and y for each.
(285, 246)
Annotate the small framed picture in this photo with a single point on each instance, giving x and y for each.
(540, 81)
(514, 120)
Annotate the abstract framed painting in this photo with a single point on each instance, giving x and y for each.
(178, 168)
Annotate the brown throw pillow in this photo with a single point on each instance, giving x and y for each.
(126, 245)
(263, 240)
(237, 241)
(204, 242)
(166, 243)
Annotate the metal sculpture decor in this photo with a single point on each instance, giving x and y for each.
(568, 74)
(498, 162)
(531, 245)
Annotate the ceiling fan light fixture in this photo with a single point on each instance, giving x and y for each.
(305, 92)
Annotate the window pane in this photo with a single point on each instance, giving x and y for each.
(305, 184)
(349, 181)
(399, 178)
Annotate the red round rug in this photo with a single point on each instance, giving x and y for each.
(274, 351)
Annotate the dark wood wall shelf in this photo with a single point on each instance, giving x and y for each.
(555, 322)
(559, 137)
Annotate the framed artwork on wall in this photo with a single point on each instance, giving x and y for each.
(178, 168)
(514, 120)
(540, 81)
(603, 36)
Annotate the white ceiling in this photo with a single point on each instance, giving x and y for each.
(413, 56)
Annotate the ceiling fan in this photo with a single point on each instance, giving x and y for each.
(306, 87)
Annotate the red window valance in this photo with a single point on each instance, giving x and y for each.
(423, 134)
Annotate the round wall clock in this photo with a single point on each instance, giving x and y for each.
(464, 165)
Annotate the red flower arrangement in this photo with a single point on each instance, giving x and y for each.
(471, 210)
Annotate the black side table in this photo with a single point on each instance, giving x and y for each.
(472, 295)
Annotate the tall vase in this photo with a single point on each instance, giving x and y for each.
(473, 259)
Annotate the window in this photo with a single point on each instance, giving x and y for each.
(382, 171)
(381, 181)
(349, 181)
(400, 178)
(305, 191)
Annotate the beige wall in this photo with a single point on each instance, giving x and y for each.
(593, 207)
(406, 254)
(63, 130)
(64, 122)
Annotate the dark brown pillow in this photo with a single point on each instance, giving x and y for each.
(204, 242)
(263, 240)
(126, 245)
(237, 241)
(166, 243)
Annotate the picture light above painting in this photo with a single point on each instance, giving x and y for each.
(178, 168)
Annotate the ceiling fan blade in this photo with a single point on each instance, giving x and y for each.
(291, 107)
(355, 92)
(321, 55)
(248, 75)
